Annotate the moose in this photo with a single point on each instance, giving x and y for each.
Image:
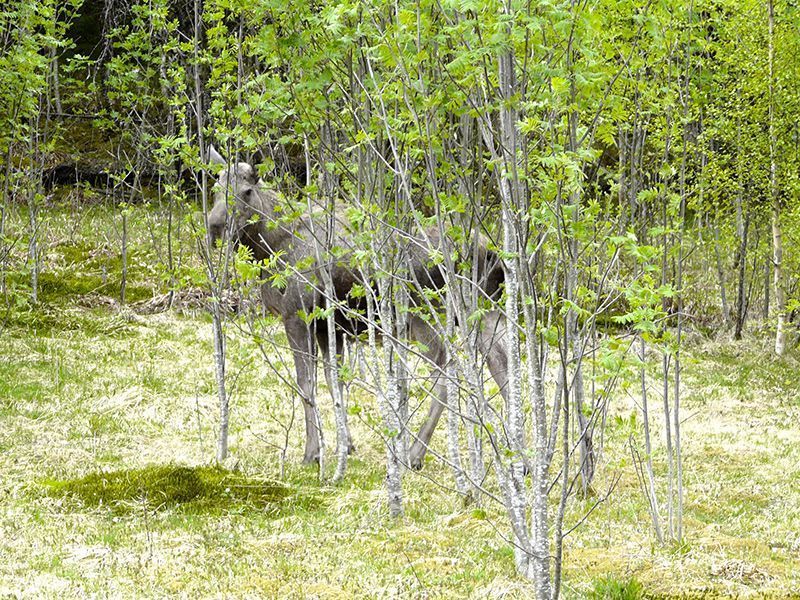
(247, 210)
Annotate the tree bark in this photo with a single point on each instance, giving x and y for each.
(777, 236)
(726, 315)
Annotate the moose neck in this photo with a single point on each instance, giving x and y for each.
(263, 239)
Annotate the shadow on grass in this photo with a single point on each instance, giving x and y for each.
(191, 489)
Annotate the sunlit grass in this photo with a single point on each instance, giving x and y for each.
(108, 485)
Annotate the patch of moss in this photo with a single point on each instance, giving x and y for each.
(75, 251)
(63, 287)
(77, 269)
(48, 319)
(58, 286)
(611, 588)
(54, 287)
(195, 489)
(38, 321)
(744, 373)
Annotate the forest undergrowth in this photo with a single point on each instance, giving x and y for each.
(109, 485)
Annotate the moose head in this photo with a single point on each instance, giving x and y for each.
(241, 201)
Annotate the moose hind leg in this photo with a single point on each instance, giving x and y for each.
(420, 446)
(436, 355)
(492, 345)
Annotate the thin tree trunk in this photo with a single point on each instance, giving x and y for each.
(323, 257)
(676, 399)
(527, 563)
(741, 294)
(653, 496)
(170, 175)
(219, 364)
(124, 274)
(388, 396)
(565, 485)
(767, 285)
(3, 215)
(777, 236)
(56, 83)
(34, 179)
(453, 408)
(216, 308)
(467, 293)
(742, 225)
(666, 356)
(670, 454)
(726, 315)
(33, 250)
(342, 436)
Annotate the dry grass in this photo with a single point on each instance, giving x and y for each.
(91, 392)
(75, 405)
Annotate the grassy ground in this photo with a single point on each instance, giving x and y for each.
(108, 487)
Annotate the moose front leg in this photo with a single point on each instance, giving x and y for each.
(304, 351)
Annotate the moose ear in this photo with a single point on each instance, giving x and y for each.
(215, 157)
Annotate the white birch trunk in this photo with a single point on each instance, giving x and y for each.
(326, 262)
(540, 562)
(453, 408)
(653, 496)
(400, 370)
(515, 485)
(777, 236)
(475, 414)
(219, 369)
(340, 416)
(388, 393)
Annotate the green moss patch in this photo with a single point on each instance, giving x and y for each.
(47, 320)
(742, 371)
(611, 588)
(55, 287)
(200, 489)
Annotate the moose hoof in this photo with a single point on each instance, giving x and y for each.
(417, 462)
(311, 459)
